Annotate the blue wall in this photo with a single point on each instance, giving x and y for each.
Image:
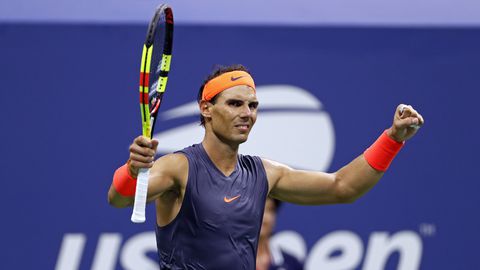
(69, 110)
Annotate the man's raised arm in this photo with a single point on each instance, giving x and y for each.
(352, 180)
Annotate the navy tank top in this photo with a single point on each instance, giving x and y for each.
(218, 225)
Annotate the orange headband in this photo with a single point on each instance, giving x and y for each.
(225, 81)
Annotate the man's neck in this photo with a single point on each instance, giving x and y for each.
(224, 156)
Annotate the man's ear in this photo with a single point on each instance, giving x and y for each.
(205, 108)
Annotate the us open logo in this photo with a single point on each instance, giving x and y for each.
(291, 128)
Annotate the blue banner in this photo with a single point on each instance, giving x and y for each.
(69, 110)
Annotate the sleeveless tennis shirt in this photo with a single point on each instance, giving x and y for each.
(218, 225)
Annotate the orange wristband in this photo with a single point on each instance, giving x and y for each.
(382, 152)
(123, 182)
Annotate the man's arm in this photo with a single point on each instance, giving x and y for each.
(345, 185)
(165, 173)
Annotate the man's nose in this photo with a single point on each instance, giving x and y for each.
(246, 111)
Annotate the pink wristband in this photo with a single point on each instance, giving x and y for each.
(382, 152)
(123, 182)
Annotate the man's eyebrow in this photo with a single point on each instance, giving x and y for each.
(234, 100)
(243, 101)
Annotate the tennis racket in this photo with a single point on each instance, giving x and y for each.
(155, 65)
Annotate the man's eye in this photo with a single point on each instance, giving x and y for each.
(235, 103)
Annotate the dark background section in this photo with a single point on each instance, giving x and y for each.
(69, 110)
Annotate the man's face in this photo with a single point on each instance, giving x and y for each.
(234, 113)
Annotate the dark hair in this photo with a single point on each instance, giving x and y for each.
(217, 71)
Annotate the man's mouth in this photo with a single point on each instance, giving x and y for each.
(243, 126)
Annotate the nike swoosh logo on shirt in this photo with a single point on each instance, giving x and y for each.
(229, 200)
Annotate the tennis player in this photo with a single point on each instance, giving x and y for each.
(271, 257)
(210, 199)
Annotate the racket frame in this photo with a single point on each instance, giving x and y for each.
(149, 114)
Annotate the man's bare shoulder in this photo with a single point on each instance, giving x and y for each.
(169, 173)
(274, 166)
(275, 170)
(173, 157)
(174, 165)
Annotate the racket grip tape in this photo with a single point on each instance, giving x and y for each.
(139, 205)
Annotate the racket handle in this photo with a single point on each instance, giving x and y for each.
(138, 214)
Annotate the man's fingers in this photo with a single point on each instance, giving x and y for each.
(141, 158)
(413, 122)
(420, 120)
(144, 146)
(405, 123)
(408, 112)
(142, 150)
(138, 164)
(154, 145)
(143, 141)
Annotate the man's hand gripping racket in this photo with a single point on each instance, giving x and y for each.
(155, 65)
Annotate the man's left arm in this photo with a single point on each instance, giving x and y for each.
(352, 180)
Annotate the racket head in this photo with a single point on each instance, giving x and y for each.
(155, 65)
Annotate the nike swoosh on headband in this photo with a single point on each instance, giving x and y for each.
(235, 78)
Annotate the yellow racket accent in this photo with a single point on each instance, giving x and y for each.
(165, 66)
(162, 85)
(144, 56)
(144, 90)
(149, 57)
(166, 60)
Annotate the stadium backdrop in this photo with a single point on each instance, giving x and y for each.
(69, 110)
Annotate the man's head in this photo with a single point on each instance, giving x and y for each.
(228, 103)
(217, 72)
